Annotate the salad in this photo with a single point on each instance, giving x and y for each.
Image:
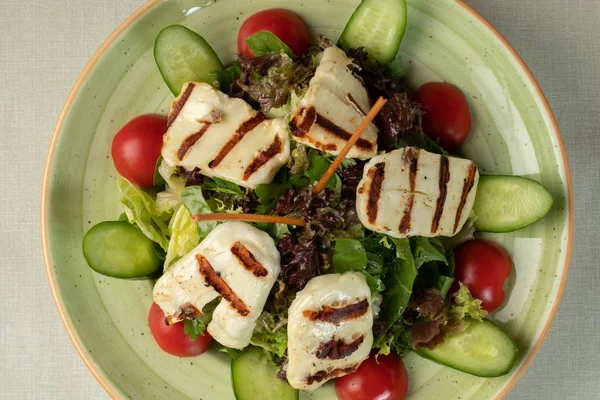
(308, 213)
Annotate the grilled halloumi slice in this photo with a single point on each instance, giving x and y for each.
(411, 192)
(236, 261)
(333, 107)
(224, 137)
(330, 329)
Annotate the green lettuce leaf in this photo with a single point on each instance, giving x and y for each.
(398, 280)
(168, 200)
(265, 42)
(397, 339)
(228, 75)
(197, 326)
(271, 333)
(465, 306)
(194, 201)
(299, 161)
(184, 236)
(158, 179)
(426, 250)
(350, 255)
(318, 166)
(435, 265)
(141, 209)
(222, 186)
(194, 327)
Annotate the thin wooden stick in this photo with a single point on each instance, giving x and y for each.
(272, 219)
(351, 142)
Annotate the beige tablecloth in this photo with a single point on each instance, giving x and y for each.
(45, 45)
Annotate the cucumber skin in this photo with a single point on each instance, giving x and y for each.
(482, 226)
(172, 87)
(237, 381)
(355, 15)
(429, 354)
(97, 229)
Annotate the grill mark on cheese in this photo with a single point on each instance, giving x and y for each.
(443, 185)
(246, 127)
(191, 140)
(357, 106)
(341, 133)
(179, 103)
(377, 175)
(214, 279)
(338, 349)
(337, 315)
(247, 260)
(467, 187)
(334, 373)
(264, 157)
(412, 158)
(303, 121)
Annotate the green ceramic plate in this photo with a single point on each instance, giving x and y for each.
(514, 132)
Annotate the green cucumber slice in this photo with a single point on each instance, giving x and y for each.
(483, 349)
(378, 26)
(184, 56)
(254, 377)
(120, 250)
(509, 203)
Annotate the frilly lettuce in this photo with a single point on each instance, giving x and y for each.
(184, 236)
(465, 305)
(271, 333)
(169, 199)
(141, 209)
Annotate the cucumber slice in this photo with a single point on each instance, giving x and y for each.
(254, 377)
(483, 349)
(509, 203)
(120, 250)
(378, 26)
(184, 56)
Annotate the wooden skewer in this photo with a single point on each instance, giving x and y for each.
(351, 142)
(272, 219)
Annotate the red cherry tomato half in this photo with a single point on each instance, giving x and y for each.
(384, 378)
(284, 24)
(136, 148)
(447, 116)
(172, 339)
(483, 267)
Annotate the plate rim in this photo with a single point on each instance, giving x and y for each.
(97, 371)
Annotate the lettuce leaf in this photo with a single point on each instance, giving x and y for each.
(168, 200)
(465, 306)
(271, 333)
(398, 280)
(435, 265)
(350, 255)
(426, 250)
(222, 186)
(264, 42)
(141, 209)
(194, 201)
(184, 236)
(318, 164)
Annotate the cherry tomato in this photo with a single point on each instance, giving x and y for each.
(483, 267)
(136, 148)
(284, 24)
(447, 116)
(172, 339)
(384, 378)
